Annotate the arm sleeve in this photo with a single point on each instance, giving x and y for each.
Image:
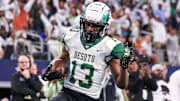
(20, 87)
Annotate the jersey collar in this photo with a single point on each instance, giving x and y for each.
(89, 45)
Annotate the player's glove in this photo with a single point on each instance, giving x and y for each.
(49, 75)
(128, 57)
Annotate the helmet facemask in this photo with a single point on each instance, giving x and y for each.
(97, 20)
(89, 35)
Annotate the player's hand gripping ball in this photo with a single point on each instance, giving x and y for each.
(55, 70)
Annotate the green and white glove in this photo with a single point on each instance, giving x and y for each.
(128, 57)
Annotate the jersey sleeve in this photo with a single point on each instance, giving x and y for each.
(118, 51)
(116, 48)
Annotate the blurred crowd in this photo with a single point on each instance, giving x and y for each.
(36, 26)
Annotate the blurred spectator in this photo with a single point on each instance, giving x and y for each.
(34, 22)
(62, 13)
(74, 16)
(80, 7)
(147, 46)
(172, 47)
(109, 89)
(135, 29)
(34, 75)
(174, 83)
(161, 13)
(114, 26)
(159, 32)
(142, 82)
(33, 69)
(175, 21)
(162, 93)
(133, 67)
(120, 95)
(4, 21)
(159, 37)
(124, 25)
(142, 16)
(164, 72)
(22, 45)
(3, 36)
(138, 46)
(174, 14)
(21, 8)
(9, 51)
(167, 8)
(53, 34)
(154, 3)
(4, 2)
(23, 87)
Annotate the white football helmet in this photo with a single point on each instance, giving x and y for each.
(98, 14)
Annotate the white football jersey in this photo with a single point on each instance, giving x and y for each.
(88, 62)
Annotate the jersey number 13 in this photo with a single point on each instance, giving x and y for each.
(87, 84)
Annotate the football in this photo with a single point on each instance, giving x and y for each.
(59, 66)
(55, 70)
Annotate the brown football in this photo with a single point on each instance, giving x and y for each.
(60, 66)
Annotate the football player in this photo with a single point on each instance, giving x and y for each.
(90, 51)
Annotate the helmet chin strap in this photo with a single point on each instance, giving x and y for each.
(90, 37)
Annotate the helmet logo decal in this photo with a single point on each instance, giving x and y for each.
(105, 17)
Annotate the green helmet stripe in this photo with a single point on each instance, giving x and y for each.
(105, 17)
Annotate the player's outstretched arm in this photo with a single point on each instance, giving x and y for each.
(119, 67)
(120, 75)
